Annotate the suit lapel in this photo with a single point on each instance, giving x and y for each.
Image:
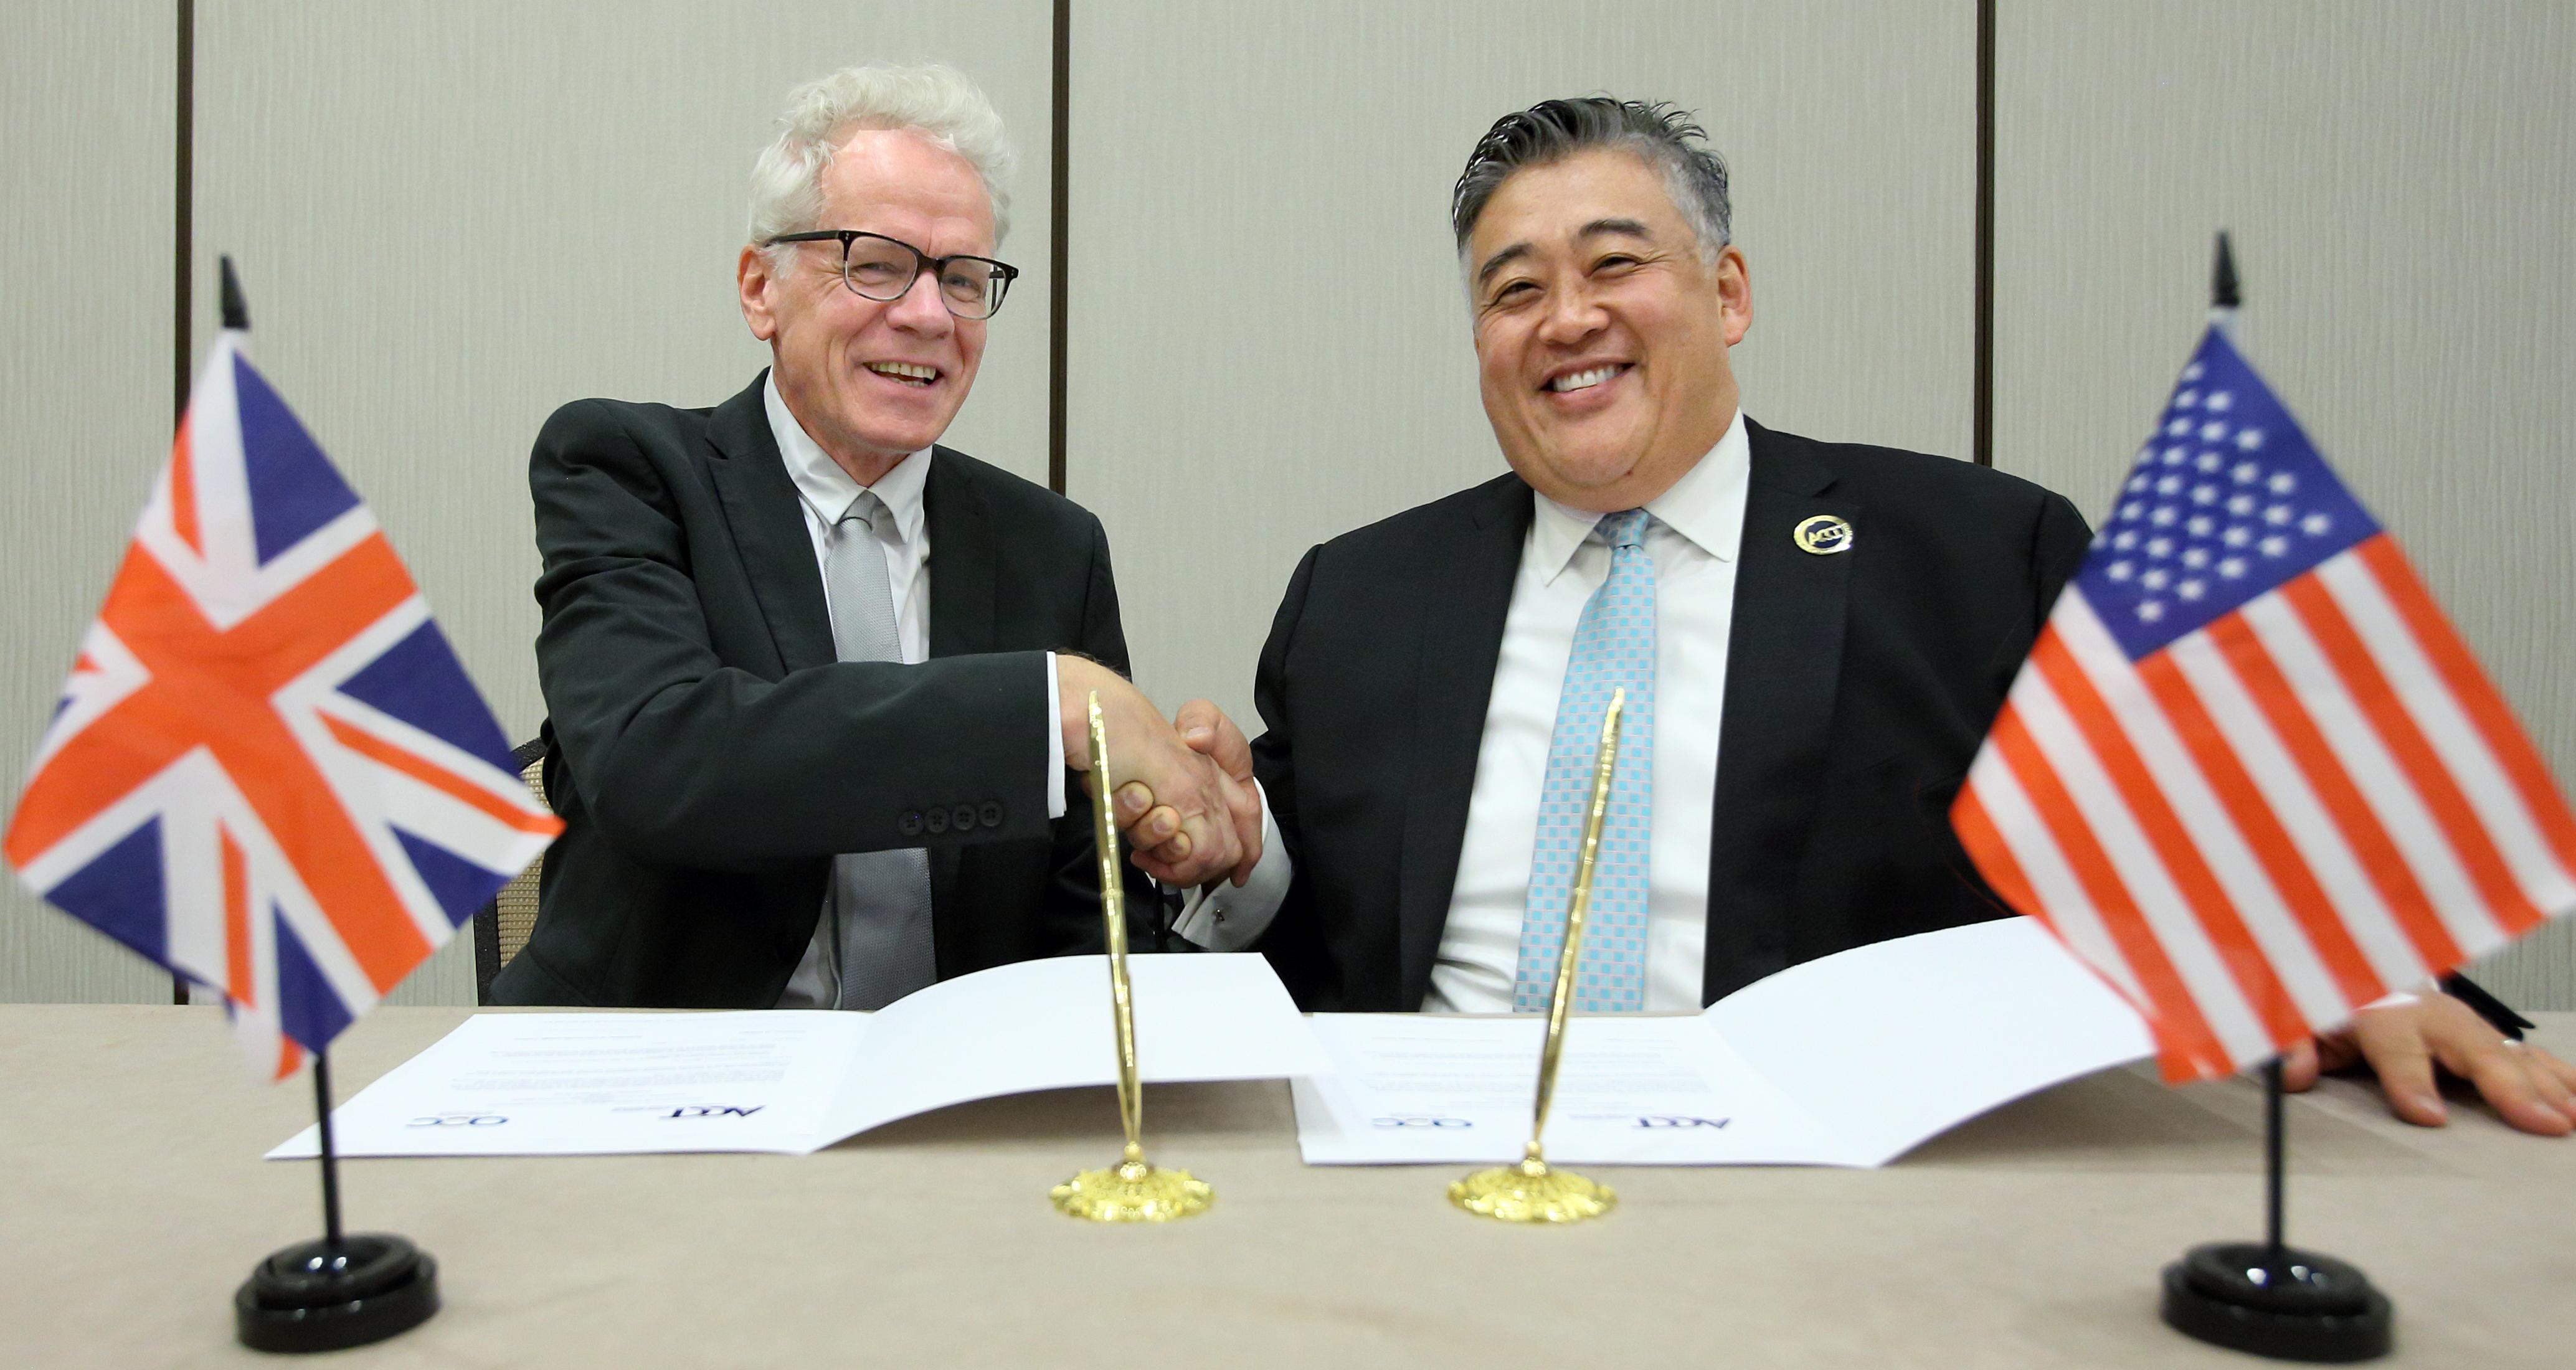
(768, 523)
(1784, 661)
(964, 575)
(1466, 596)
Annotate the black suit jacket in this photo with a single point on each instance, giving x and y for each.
(708, 755)
(1858, 687)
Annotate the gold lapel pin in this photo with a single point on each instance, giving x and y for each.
(1823, 535)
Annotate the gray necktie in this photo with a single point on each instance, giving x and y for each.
(880, 899)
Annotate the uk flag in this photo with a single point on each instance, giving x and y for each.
(268, 771)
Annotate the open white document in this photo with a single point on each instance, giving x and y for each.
(1848, 1060)
(526, 1084)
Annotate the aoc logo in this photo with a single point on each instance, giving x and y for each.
(1420, 1122)
(1678, 1120)
(714, 1111)
(458, 1120)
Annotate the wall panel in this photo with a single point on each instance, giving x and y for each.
(88, 102)
(1269, 340)
(2401, 183)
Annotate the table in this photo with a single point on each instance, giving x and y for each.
(136, 1201)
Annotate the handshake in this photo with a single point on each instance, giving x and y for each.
(1182, 791)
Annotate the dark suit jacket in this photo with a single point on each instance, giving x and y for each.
(709, 756)
(1858, 687)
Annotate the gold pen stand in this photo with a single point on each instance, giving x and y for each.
(1132, 1191)
(1534, 1191)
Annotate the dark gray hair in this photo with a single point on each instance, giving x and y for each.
(1552, 130)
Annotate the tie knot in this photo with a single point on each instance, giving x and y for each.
(1626, 528)
(868, 509)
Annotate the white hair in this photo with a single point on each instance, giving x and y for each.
(933, 100)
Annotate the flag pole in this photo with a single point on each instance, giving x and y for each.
(2273, 1160)
(2273, 1167)
(236, 314)
(331, 1161)
(2223, 293)
(2270, 1298)
(346, 1289)
(237, 317)
(2226, 296)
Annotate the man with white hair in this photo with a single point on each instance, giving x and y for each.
(814, 681)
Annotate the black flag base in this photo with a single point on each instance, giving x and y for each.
(2277, 1301)
(321, 1296)
(2269, 1297)
(346, 1289)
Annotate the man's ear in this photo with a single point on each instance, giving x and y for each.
(753, 282)
(1735, 290)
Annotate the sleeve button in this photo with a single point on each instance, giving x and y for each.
(910, 824)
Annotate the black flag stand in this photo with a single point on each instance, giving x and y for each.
(341, 1291)
(345, 1289)
(2269, 1297)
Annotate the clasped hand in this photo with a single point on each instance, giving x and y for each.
(1181, 791)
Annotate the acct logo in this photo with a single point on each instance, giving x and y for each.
(1420, 1122)
(1660, 1120)
(714, 1111)
(458, 1120)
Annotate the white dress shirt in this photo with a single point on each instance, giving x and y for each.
(825, 492)
(1697, 526)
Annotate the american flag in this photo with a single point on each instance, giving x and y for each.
(268, 771)
(2250, 773)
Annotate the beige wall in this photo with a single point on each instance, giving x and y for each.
(86, 113)
(452, 218)
(1269, 339)
(2400, 181)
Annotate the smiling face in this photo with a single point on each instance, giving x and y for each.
(873, 381)
(1601, 335)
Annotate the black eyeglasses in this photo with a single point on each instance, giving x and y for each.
(876, 267)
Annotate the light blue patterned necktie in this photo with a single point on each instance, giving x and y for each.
(1614, 649)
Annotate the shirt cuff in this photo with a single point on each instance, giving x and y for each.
(1219, 917)
(1055, 744)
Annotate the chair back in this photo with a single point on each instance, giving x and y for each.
(502, 926)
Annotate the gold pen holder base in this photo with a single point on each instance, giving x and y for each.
(1133, 1192)
(1532, 1192)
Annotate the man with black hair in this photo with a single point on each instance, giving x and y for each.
(1813, 638)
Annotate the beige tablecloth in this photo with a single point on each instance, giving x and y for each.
(135, 1201)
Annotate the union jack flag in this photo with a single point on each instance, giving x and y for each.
(269, 772)
(2250, 773)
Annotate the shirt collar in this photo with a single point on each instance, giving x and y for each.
(826, 489)
(1705, 506)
